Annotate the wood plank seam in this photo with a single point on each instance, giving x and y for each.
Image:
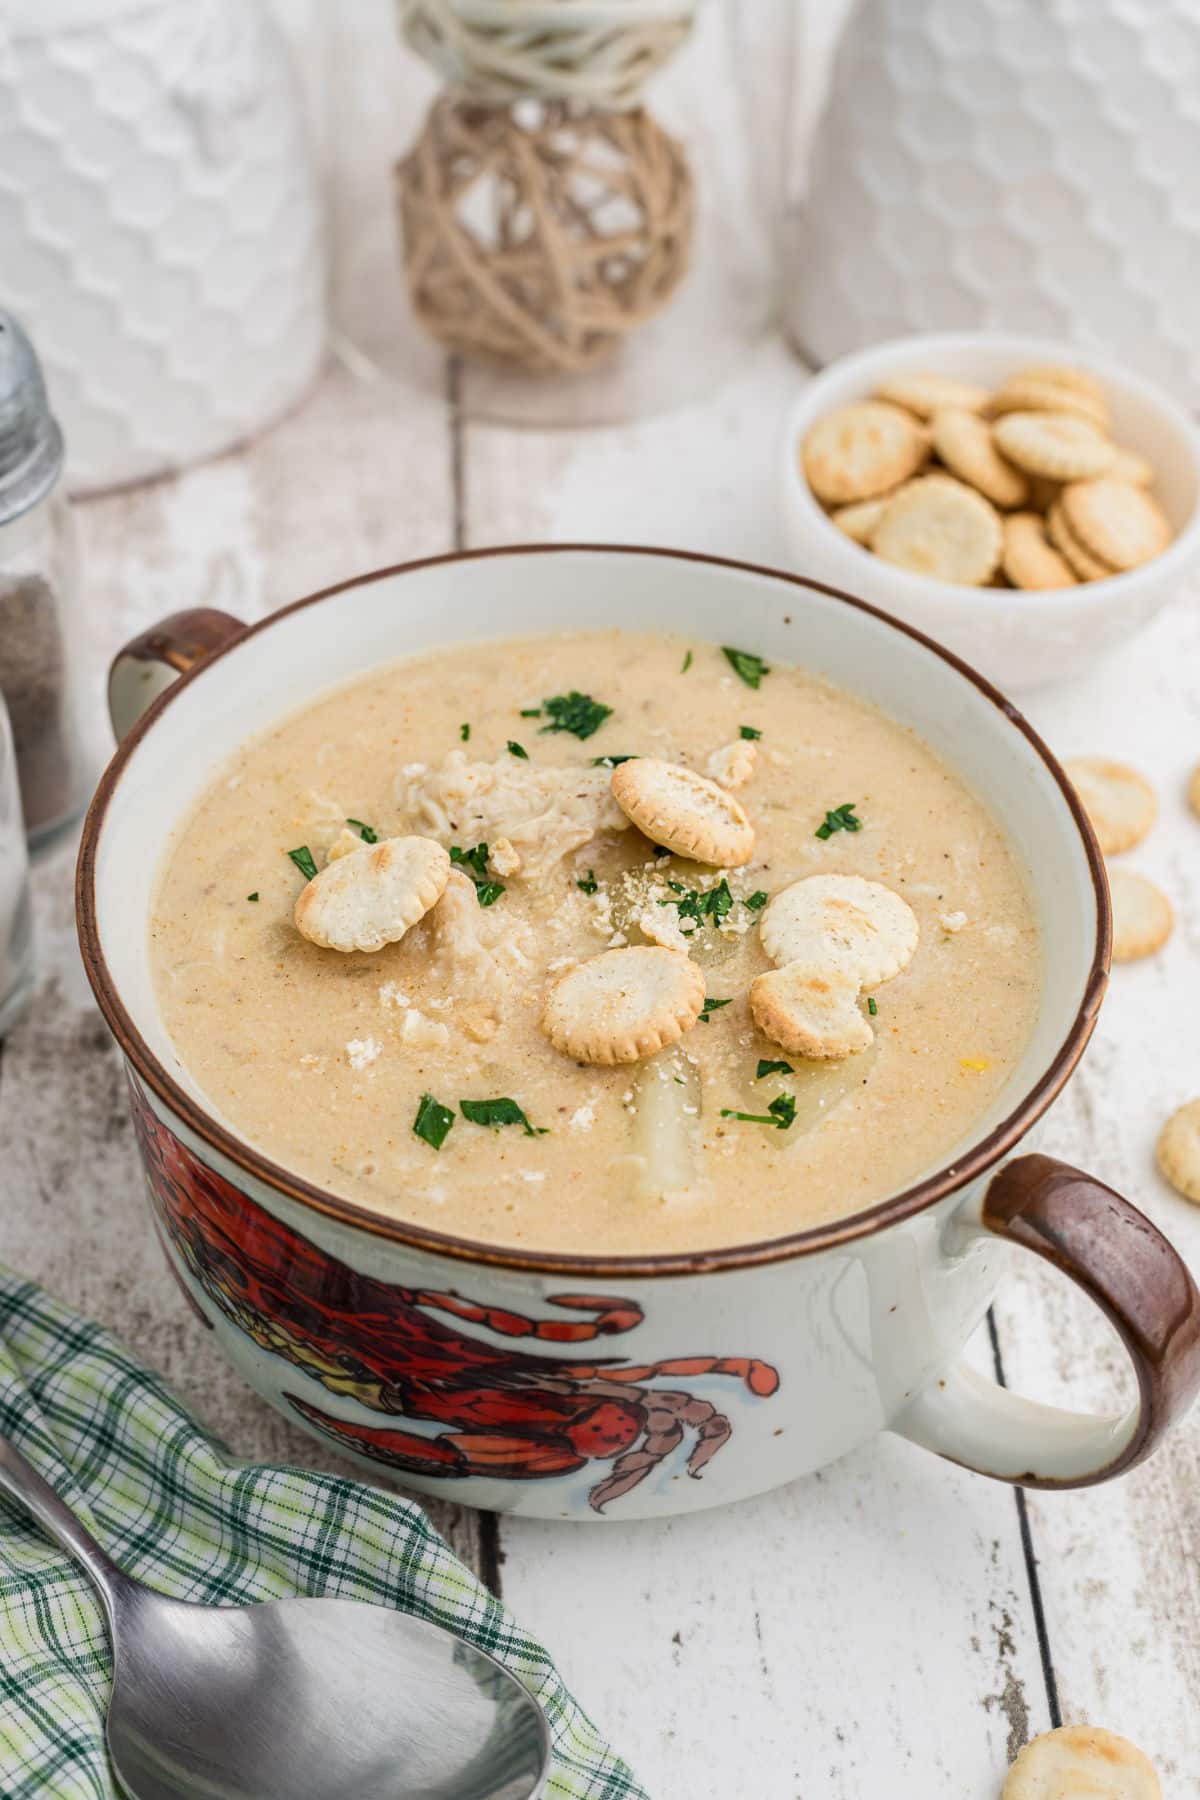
(1049, 1677)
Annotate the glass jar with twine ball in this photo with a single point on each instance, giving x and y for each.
(599, 52)
(545, 230)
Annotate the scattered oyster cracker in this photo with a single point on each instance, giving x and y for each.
(964, 442)
(810, 1009)
(929, 393)
(1085, 565)
(1120, 524)
(1064, 375)
(1054, 444)
(374, 895)
(1177, 1151)
(623, 1004)
(937, 526)
(683, 811)
(859, 520)
(1034, 394)
(1030, 560)
(1143, 917)
(861, 450)
(844, 922)
(1081, 1760)
(1120, 803)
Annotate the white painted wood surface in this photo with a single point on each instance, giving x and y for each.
(891, 1629)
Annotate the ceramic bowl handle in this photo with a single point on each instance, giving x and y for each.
(149, 663)
(1134, 1276)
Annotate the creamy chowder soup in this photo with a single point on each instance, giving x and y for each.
(348, 1067)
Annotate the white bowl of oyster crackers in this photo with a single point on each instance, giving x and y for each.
(1028, 504)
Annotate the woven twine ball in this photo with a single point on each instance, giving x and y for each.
(538, 237)
(598, 51)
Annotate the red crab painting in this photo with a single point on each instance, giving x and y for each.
(504, 1412)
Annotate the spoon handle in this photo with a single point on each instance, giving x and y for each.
(19, 1478)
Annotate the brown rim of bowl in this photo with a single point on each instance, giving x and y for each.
(978, 1159)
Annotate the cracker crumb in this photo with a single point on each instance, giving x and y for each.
(503, 857)
(953, 921)
(361, 1052)
(421, 1033)
(733, 764)
(583, 1118)
(344, 844)
(662, 925)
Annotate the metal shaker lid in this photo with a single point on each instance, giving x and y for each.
(31, 445)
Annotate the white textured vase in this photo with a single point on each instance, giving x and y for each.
(1022, 164)
(161, 233)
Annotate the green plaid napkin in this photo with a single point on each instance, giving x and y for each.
(174, 1511)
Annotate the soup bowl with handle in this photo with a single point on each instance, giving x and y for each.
(587, 1386)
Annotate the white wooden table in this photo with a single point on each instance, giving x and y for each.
(892, 1629)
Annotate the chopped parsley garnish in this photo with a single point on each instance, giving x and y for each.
(589, 884)
(253, 896)
(613, 762)
(464, 732)
(531, 712)
(575, 712)
(367, 833)
(767, 1067)
(515, 749)
(687, 663)
(474, 863)
(749, 732)
(433, 1121)
(712, 1006)
(303, 859)
(745, 664)
(499, 1112)
(783, 1109)
(713, 904)
(781, 1113)
(841, 818)
(871, 1006)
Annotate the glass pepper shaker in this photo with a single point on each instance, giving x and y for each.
(16, 933)
(41, 635)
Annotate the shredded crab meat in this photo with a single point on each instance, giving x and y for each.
(540, 814)
(482, 954)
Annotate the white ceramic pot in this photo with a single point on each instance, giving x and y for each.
(566, 1385)
(1013, 165)
(161, 225)
(1019, 640)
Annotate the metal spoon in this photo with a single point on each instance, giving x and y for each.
(295, 1699)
